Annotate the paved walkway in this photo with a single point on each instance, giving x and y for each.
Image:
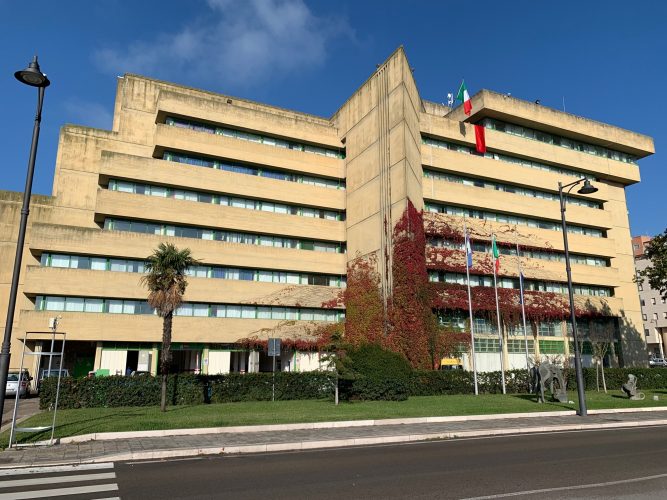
(27, 408)
(249, 441)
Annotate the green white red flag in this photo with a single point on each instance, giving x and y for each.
(496, 254)
(464, 97)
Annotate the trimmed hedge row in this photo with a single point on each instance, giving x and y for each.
(234, 387)
(434, 383)
(183, 389)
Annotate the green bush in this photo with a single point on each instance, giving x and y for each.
(371, 373)
(184, 389)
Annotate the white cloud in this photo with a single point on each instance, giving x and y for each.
(240, 43)
(88, 113)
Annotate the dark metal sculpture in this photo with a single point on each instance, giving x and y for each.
(544, 374)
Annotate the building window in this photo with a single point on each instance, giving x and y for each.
(512, 219)
(247, 136)
(644, 317)
(441, 144)
(201, 271)
(125, 306)
(655, 316)
(646, 332)
(496, 186)
(643, 302)
(216, 199)
(557, 140)
(640, 287)
(219, 235)
(653, 301)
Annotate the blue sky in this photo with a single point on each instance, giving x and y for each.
(605, 58)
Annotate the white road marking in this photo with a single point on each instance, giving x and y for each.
(77, 490)
(57, 479)
(54, 468)
(573, 487)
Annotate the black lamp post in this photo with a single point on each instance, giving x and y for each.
(35, 78)
(587, 188)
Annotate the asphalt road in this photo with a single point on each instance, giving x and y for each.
(626, 463)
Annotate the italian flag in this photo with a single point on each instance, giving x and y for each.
(464, 97)
(496, 254)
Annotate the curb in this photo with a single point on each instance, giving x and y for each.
(109, 436)
(350, 442)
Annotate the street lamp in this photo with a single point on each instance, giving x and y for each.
(587, 188)
(32, 76)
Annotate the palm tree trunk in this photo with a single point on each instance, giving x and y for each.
(165, 357)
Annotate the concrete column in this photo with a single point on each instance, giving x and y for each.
(205, 361)
(154, 359)
(98, 356)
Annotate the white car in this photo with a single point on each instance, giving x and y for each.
(14, 385)
(657, 362)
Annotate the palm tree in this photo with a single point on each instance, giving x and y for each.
(166, 284)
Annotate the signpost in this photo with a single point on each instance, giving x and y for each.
(274, 350)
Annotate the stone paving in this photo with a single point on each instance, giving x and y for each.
(184, 445)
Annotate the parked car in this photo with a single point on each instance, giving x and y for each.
(656, 362)
(18, 384)
(52, 373)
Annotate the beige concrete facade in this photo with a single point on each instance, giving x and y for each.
(312, 193)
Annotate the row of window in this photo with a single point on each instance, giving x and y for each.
(519, 347)
(504, 282)
(485, 326)
(557, 140)
(247, 136)
(226, 273)
(653, 301)
(441, 144)
(654, 316)
(237, 168)
(230, 201)
(217, 235)
(508, 188)
(121, 306)
(512, 219)
(485, 247)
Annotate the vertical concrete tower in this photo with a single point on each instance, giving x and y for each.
(379, 125)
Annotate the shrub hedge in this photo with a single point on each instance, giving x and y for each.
(184, 389)
(387, 379)
(371, 373)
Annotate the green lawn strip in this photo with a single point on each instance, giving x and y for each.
(89, 420)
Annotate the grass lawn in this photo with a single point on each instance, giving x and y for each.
(89, 420)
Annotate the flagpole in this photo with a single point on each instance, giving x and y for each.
(522, 300)
(500, 332)
(472, 334)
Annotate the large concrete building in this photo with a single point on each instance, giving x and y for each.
(275, 203)
(654, 306)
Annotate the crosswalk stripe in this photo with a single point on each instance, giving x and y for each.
(110, 498)
(57, 479)
(77, 490)
(54, 468)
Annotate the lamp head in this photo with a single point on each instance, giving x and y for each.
(587, 188)
(32, 75)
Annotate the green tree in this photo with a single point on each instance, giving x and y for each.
(166, 283)
(656, 272)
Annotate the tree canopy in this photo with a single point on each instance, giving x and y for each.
(656, 272)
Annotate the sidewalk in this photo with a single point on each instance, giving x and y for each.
(294, 437)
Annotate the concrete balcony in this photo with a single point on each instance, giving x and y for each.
(110, 284)
(74, 240)
(509, 203)
(104, 327)
(201, 143)
(191, 213)
(161, 172)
